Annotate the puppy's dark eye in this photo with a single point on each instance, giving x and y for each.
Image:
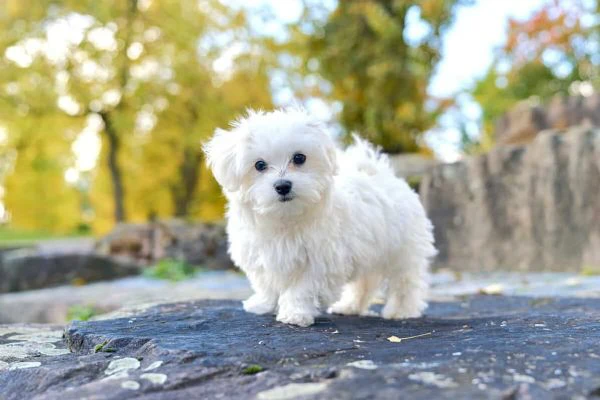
(260, 165)
(299, 159)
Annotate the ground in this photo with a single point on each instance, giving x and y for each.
(480, 346)
(52, 305)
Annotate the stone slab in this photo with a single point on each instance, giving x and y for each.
(479, 347)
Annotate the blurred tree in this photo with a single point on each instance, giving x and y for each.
(543, 56)
(33, 156)
(160, 75)
(379, 57)
(37, 194)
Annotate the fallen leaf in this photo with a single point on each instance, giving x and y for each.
(396, 339)
(573, 282)
(492, 290)
(363, 364)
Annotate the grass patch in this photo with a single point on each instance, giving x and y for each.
(252, 369)
(11, 236)
(171, 270)
(101, 347)
(81, 313)
(414, 182)
(590, 270)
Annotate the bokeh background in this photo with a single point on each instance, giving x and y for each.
(490, 109)
(104, 104)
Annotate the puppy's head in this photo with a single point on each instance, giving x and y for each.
(280, 162)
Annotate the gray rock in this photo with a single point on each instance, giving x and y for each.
(527, 119)
(481, 347)
(8, 248)
(27, 269)
(566, 112)
(521, 124)
(197, 244)
(412, 166)
(522, 208)
(26, 343)
(52, 305)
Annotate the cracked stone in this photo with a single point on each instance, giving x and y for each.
(480, 346)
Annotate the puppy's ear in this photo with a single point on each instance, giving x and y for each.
(329, 145)
(331, 155)
(222, 158)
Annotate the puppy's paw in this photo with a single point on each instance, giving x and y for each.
(404, 312)
(299, 319)
(258, 305)
(343, 308)
(401, 315)
(369, 313)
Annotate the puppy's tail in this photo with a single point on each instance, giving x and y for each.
(367, 158)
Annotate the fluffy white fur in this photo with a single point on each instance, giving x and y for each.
(350, 227)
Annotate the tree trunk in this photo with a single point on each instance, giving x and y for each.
(114, 146)
(183, 193)
(112, 136)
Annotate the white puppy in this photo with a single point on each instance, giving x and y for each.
(308, 223)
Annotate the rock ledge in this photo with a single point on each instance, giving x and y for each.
(482, 346)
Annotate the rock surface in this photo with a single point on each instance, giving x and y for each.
(412, 166)
(196, 244)
(480, 347)
(525, 121)
(52, 305)
(522, 208)
(34, 268)
(122, 253)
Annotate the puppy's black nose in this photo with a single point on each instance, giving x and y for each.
(283, 187)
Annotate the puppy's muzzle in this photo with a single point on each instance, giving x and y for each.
(283, 187)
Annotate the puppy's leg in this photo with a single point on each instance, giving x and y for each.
(261, 303)
(407, 289)
(264, 299)
(356, 297)
(299, 304)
